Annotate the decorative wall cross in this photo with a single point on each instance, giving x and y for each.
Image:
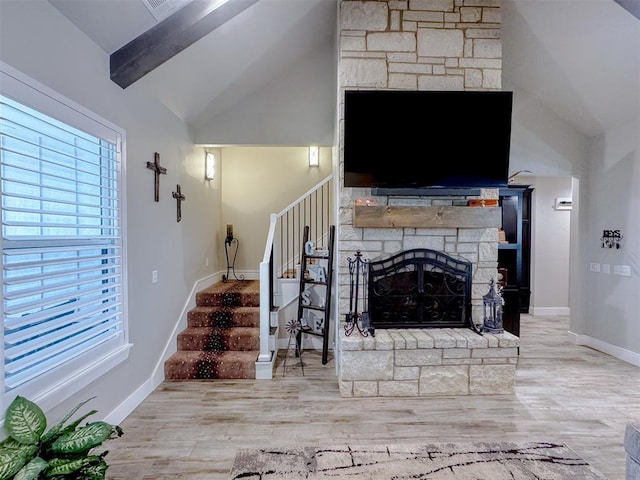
(157, 169)
(179, 198)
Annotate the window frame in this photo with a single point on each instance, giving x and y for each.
(64, 381)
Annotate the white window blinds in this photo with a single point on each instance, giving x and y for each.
(62, 271)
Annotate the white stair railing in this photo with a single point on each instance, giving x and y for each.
(282, 255)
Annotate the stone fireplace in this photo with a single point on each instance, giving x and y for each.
(421, 45)
(428, 342)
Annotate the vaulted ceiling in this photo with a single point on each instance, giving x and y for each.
(580, 58)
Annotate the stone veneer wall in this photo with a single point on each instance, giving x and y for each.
(417, 45)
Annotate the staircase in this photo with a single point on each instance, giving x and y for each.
(230, 334)
(222, 338)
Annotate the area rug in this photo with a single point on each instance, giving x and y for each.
(438, 461)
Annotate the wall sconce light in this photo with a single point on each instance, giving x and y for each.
(611, 239)
(314, 156)
(513, 176)
(209, 166)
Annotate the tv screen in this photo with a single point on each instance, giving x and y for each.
(426, 138)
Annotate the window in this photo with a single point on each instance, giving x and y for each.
(63, 268)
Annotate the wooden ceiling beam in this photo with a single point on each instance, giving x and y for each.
(632, 6)
(169, 37)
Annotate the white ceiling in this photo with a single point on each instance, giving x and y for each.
(580, 58)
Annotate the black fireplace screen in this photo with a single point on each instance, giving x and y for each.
(420, 288)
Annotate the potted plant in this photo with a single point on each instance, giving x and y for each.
(64, 452)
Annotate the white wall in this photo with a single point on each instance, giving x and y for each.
(291, 109)
(551, 245)
(612, 301)
(606, 187)
(548, 146)
(37, 40)
(541, 141)
(259, 181)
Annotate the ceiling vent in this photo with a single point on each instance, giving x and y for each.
(161, 9)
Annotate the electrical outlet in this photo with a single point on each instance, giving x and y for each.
(206, 262)
(606, 268)
(154, 276)
(594, 267)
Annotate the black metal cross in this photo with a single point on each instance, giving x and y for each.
(157, 169)
(179, 198)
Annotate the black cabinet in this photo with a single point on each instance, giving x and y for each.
(514, 250)
(511, 309)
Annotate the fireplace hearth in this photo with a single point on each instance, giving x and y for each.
(420, 288)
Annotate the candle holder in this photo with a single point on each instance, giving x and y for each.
(492, 301)
(231, 243)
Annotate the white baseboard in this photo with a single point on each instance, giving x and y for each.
(549, 311)
(618, 352)
(122, 411)
(264, 370)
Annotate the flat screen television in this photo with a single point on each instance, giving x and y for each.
(415, 139)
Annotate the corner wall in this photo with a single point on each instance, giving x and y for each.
(613, 301)
(550, 235)
(41, 43)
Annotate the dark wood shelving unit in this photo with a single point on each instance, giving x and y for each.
(515, 255)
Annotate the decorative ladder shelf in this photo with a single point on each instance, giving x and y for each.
(314, 301)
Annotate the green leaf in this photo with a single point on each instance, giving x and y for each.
(10, 443)
(53, 432)
(25, 421)
(13, 459)
(67, 467)
(31, 470)
(83, 439)
(62, 453)
(72, 426)
(94, 472)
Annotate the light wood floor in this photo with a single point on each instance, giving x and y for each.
(564, 393)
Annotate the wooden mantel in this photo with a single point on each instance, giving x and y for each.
(381, 216)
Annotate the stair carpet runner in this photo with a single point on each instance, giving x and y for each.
(222, 338)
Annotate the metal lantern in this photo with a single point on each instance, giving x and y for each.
(492, 310)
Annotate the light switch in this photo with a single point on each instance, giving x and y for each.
(622, 270)
(594, 267)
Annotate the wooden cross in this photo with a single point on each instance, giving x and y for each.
(179, 198)
(157, 169)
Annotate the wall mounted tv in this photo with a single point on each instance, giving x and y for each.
(415, 139)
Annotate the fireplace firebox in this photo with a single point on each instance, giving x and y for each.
(420, 288)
